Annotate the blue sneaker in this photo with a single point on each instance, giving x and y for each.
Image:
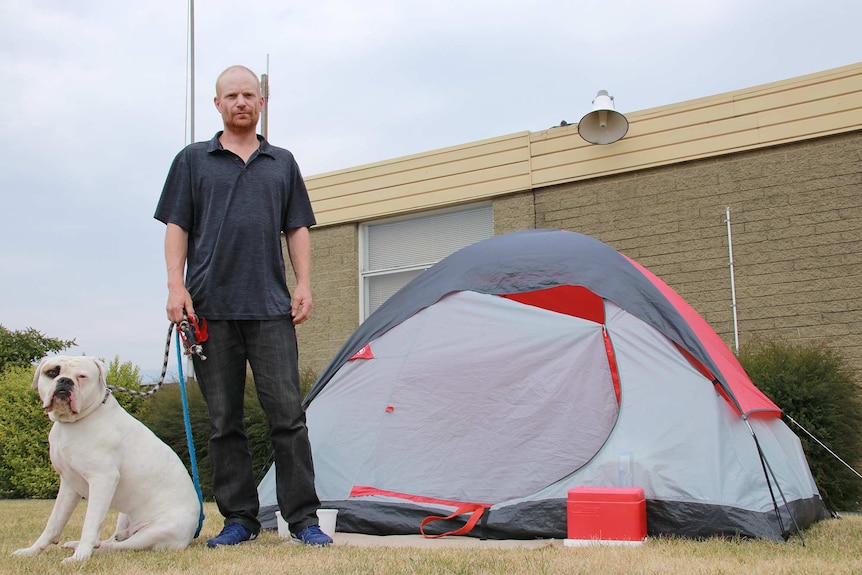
(312, 535)
(232, 534)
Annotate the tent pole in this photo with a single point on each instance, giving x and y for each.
(767, 471)
(732, 283)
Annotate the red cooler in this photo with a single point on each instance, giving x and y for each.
(606, 515)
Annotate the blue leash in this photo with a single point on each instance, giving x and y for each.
(192, 456)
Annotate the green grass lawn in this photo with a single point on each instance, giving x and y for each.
(831, 547)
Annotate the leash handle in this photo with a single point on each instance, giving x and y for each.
(193, 333)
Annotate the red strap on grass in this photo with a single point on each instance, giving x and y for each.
(475, 508)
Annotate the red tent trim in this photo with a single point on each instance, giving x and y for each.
(365, 491)
(571, 300)
(747, 397)
(363, 353)
(612, 363)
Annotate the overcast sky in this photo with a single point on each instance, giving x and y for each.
(93, 101)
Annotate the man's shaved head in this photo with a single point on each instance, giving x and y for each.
(233, 70)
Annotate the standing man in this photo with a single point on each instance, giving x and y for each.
(226, 203)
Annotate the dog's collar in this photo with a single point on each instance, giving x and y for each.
(107, 394)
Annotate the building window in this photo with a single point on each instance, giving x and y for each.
(394, 251)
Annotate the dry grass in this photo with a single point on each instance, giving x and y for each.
(831, 548)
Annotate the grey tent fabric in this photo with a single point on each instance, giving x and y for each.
(463, 395)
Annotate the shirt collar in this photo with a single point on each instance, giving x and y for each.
(215, 144)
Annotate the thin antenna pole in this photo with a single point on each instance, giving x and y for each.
(732, 282)
(264, 89)
(192, 69)
(190, 367)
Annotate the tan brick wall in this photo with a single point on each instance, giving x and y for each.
(796, 214)
(335, 292)
(514, 212)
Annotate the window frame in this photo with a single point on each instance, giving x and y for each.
(364, 246)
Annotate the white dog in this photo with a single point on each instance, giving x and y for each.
(110, 458)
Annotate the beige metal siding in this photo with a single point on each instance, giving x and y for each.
(443, 177)
(782, 112)
(802, 108)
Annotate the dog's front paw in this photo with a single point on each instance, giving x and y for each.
(80, 554)
(27, 551)
(70, 545)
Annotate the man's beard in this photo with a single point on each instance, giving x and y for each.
(243, 124)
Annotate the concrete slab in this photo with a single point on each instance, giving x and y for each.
(417, 541)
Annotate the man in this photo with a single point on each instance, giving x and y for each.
(226, 203)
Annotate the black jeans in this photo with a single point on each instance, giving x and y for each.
(269, 347)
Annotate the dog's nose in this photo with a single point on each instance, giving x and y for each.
(63, 385)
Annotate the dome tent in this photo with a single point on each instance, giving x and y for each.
(531, 363)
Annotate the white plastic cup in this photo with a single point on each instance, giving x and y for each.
(283, 530)
(326, 519)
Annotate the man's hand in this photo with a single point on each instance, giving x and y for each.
(179, 299)
(301, 304)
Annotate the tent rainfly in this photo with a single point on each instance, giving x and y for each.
(531, 363)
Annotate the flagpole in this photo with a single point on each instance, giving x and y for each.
(190, 366)
(192, 69)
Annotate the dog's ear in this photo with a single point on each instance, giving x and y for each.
(38, 373)
(103, 371)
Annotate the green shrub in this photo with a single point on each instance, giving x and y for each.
(814, 385)
(128, 376)
(25, 466)
(22, 347)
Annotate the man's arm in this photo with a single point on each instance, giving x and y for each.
(176, 251)
(299, 250)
